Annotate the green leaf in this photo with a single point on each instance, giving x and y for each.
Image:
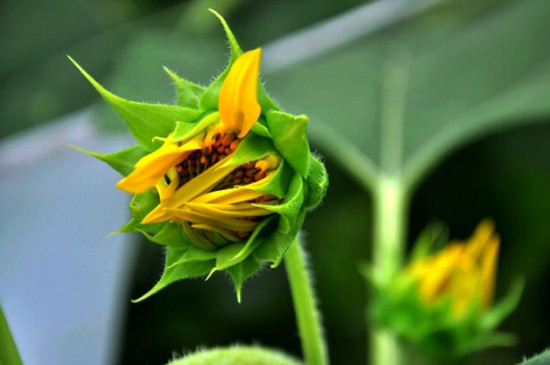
(122, 161)
(145, 121)
(237, 355)
(416, 91)
(289, 137)
(188, 92)
(172, 274)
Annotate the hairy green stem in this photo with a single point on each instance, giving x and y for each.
(389, 244)
(8, 351)
(313, 343)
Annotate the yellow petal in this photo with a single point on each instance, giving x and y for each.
(489, 270)
(200, 184)
(229, 196)
(480, 238)
(229, 210)
(238, 103)
(157, 215)
(150, 169)
(219, 221)
(442, 268)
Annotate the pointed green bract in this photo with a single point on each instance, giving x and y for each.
(168, 235)
(209, 100)
(239, 273)
(122, 161)
(285, 180)
(145, 121)
(188, 92)
(171, 274)
(289, 137)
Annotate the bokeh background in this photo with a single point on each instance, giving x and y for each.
(66, 289)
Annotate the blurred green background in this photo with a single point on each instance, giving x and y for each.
(504, 175)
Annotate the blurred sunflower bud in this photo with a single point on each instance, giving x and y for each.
(223, 179)
(442, 302)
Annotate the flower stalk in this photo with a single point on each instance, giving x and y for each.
(390, 226)
(303, 298)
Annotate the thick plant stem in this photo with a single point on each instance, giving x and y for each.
(389, 238)
(8, 351)
(309, 326)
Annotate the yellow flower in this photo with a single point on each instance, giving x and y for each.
(463, 272)
(212, 199)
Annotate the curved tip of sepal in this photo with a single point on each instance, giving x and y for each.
(211, 273)
(142, 298)
(505, 306)
(104, 92)
(317, 182)
(236, 50)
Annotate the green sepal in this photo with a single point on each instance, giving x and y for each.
(274, 246)
(260, 128)
(317, 182)
(252, 148)
(289, 137)
(434, 236)
(504, 307)
(188, 93)
(169, 235)
(209, 100)
(142, 204)
(291, 205)
(173, 273)
(193, 254)
(145, 121)
(129, 227)
(278, 184)
(241, 272)
(237, 355)
(186, 130)
(122, 161)
(255, 238)
(236, 50)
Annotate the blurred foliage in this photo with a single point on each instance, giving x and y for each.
(35, 35)
(408, 95)
(468, 62)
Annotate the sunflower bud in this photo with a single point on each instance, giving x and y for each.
(223, 179)
(442, 302)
